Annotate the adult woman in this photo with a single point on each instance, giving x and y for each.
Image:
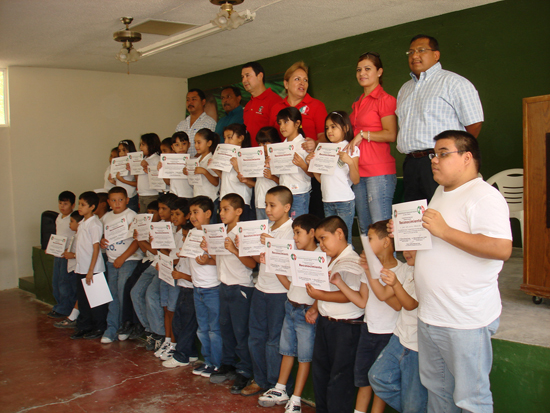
(374, 126)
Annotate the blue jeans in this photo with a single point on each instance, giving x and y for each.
(345, 210)
(260, 213)
(117, 279)
(133, 204)
(297, 335)
(184, 326)
(138, 296)
(394, 378)
(455, 366)
(267, 313)
(373, 199)
(169, 295)
(207, 307)
(300, 205)
(64, 287)
(153, 308)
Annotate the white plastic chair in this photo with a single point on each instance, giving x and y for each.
(510, 185)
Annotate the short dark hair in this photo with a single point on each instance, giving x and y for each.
(268, 134)
(168, 200)
(154, 205)
(203, 202)
(152, 141)
(182, 205)
(76, 216)
(167, 142)
(340, 118)
(332, 223)
(182, 136)
(283, 194)
(307, 222)
(209, 136)
(235, 90)
(257, 69)
(235, 200)
(91, 198)
(103, 197)
(118, 190)
(434, 44)
(240, 130)
(380, 228)
(464, 142)
(67, 196)
(199, 92)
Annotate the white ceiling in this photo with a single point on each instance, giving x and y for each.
(77, 34)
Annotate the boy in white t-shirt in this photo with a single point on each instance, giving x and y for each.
(63, 286)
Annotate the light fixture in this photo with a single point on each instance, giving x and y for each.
(127, 37)
(227, 18)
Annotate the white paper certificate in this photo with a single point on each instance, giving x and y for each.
(141, 224)
(375, 266)
(215, 235)
(154, 181)
(166, 266)
(249, 233)
(325, 159)
(97, 292)
(309, 267)
(134, 159)
(172, 165)
(118, 165)
(281, 156)
(251, 162)
(116, 230)
(56, 245)
(192, 163)
(409, 234)
(276, 255)
(163, 237)
(192, 246)
(221, 160)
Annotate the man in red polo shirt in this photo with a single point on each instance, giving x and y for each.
(258, 109)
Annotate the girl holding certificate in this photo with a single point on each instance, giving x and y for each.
(374, 127)
(128, 182)
(150, 146)
(108, 180)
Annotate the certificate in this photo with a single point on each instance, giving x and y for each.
(375, 266)
(141, 225)
(154, 181)
(408, 232)
(251, 162)
(215, 235)
(56, 245)
(192, 163)
(277, 254)
(281, 156)
(172, 165)
(134, 159)
(166, 266)
(325, 159)
(249, 233)
(221, 160)
(116, 230)
(163, 237)
(192, 246)
(97, 292)
(309, 267)
(118, 165)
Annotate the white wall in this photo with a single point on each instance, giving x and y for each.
(63, 124)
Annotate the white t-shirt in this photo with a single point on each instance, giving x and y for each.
(130, 190)
(181, 187)
(143, 188)
(106, 183)
(205, 187)
(62, 226)
(379, 316)
(231, 270)
(299, 294)
(407, 321)
(298, 183)
(337, 187)
(71, 263)
(267, 281)
(230, 184)
(454, 288)
(204, 276)
(116, 249)
(90, 232)
(183, 266)
(262, 186)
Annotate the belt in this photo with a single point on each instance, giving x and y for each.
(420, 154)
(297, 305)
(346, 320)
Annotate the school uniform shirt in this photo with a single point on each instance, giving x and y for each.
(130, 190)
(257, 111)
(62, 226)
(230, 184)
(203, 276)
(106, 183)
(181, 187)
(262, 186)
(407, 321)
(205, 187)
(267, 281)
(343, 311)
(300, 182)
(178, 240)
(379, 316)
(299, 294)
(116, 249)
(183, 266)
(90, 232)
(231, 270)
(144, 188)
(71, 263)
(337, 187)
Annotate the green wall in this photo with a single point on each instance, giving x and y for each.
(502, 48)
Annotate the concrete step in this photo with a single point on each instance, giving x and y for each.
(27, 284)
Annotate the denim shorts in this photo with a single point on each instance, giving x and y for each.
(297, 335)
(169, 296)
(369, 348)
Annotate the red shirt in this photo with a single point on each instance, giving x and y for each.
(257, 111)
(367, 113)
(313, 113)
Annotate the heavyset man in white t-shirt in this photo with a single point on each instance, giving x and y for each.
(457, 280)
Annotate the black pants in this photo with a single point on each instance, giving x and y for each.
(418, 179)
(89, 318)
(184, 326)
(128, 312)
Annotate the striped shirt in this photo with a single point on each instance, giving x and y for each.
(440, 100)
(203, 121)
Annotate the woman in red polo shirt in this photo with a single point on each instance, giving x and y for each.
(374, 126)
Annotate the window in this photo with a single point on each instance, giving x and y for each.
(3, 99)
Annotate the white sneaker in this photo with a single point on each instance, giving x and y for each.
(169, 353)
(272, 397)
(165, 346)
(193, 359)
(293, 407)
(106, 340)
(173, 363)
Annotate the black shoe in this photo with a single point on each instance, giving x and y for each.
(225, 372)
(79, 334)
(240, 383)
(92, 335)
(55, 314)
(125, 328)
(150, 342)
(137, 332)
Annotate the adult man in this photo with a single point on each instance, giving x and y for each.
(434, 100)
(457, 280)
(231, 102)
(197, 118)
(258, 109)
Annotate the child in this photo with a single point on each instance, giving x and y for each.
(103, 206)
(166, 146)
(180, 187)
(205, 145)
(290, 125)
(128, 182)
(206, 292)
(150, 146)
(64, 287)
(394, 377)
(236, 289)
(339, 327)
(338, 197)
(267, 309)
(108, 180)
(297, 335)
(123, 256)
(92, 321)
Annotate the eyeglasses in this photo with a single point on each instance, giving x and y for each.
(441, 155)
(421, 50)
